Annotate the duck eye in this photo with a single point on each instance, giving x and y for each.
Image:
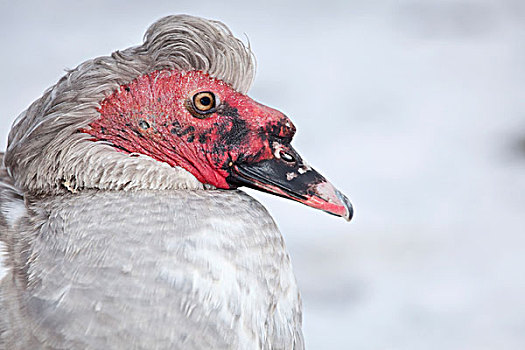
(204, 102)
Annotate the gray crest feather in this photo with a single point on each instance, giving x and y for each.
(46, 154)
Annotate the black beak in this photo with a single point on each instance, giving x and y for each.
(287, 175)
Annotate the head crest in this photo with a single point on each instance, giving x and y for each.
(45, 150)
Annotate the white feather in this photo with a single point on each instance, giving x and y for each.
(12, 211)
(3, 267)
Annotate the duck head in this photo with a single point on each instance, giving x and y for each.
(221, 136)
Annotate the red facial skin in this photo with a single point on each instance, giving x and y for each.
(151, 116)
(155, 115)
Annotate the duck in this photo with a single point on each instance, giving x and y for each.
(122, 225)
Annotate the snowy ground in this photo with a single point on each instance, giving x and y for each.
(415, 109)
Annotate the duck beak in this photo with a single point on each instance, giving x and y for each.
(292, 178)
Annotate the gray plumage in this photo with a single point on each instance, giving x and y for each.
(104, 250)
(50, 125)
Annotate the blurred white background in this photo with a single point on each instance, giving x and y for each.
(414, 109)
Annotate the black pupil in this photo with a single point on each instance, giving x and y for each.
(205, 101)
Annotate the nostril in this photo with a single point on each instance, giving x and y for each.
(287, 157)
